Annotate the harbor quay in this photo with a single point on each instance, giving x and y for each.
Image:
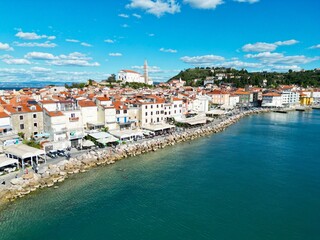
(52, 174)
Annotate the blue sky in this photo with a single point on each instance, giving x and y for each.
(61, 41)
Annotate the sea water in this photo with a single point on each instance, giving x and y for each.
(259, 179)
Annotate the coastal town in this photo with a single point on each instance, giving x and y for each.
(48, 133)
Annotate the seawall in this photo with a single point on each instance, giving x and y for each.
(51, 175)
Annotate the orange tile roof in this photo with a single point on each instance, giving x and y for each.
(103, 98)
(272, 94)
(130, 71)
(86, 103)
(24, 108)
(55, 113)
(47, 101)
(119, 105)
(3, 115)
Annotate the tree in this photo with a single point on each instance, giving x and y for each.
(112, 78)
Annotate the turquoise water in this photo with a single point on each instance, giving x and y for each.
(260, 179)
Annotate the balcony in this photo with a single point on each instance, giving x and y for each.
(73, 119)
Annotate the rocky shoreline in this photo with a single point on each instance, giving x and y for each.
(50, 175)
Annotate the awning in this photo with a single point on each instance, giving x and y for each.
(4, 161)
(87, 143)
(104, 141)
(158, 127)
(23, 151)
(99, 135)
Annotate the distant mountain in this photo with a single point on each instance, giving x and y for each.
(31, 84)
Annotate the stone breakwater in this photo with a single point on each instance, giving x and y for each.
(51, 175)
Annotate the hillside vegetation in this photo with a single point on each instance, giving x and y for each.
(240, 78)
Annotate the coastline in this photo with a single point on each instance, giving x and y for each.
(52, 174)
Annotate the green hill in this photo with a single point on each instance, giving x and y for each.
(240, 78)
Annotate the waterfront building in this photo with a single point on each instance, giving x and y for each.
(89, 114)
(290, 98)
(272, 99)
(233, 100)
(26, 118)
(200, 104)
(219, 97)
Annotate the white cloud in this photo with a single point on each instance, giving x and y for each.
(125, 25)
(240, 64)
(86, 44)
(5, 47)
(151, 69)
(259, 47)
(247, 1)
(267, 47)
(123, 15)
(40, 69)
(151, 34)
(73, 62)
(156, 7)
(284, 67)
(115, 54)
(286, 43)
(46, 44)
(72, 59)
(75, 56)
(279, 58)
(40, 56)
(72, 40)
(33, 36)
(169, 50)
(315, 46)
(16, 61)
(204, 4)
(198, 60)
(6, 56)
(136, 15)
(109, 41)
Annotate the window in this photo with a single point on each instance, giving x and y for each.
(21, 117)
(125, 111)
(35, 124)
(146, 120)
(34, 115)
(146, 107)
(146, 114)
(158, 120)
(21, 126)
(180, 105)
(151, 106)
(151, 113)
(35, 133)
(157, 106)
(118, 112)
(73, 115)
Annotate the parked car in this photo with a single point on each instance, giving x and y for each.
(61, 153)
(52, 154)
